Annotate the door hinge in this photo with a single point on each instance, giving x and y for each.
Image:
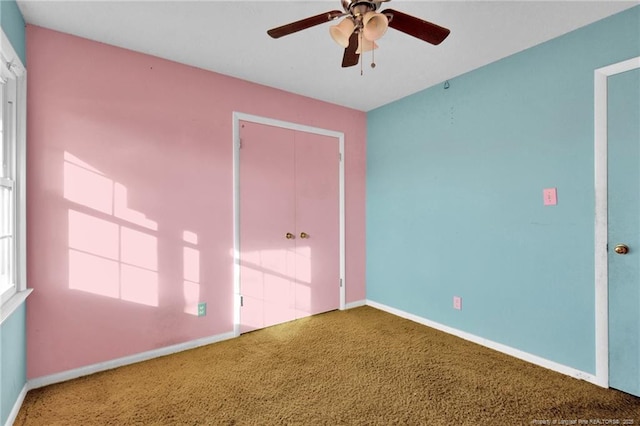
(241, 301)
(340, 156)
(607, 246)
(340, 282)
(240, 143)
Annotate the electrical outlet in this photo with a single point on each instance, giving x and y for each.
(202, 309)
(457, 303)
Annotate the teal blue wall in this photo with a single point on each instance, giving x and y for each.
(13, 368)
(13, 349)
(13, 26)
(454, 196)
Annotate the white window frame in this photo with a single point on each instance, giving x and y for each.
(13, 73)
(7, 186)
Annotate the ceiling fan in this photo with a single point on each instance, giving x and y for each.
(363, 25)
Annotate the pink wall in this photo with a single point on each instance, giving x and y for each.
(126, 153)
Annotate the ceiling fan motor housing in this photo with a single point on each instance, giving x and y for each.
(359, 7)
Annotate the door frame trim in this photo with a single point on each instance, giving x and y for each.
(601, 215)
(237, 117)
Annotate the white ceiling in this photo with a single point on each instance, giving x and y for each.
(230, 37)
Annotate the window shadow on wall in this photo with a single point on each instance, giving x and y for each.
(113, 249)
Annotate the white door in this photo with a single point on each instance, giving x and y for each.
(623, 136)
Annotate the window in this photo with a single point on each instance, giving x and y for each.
(12, 180)
(7, 190)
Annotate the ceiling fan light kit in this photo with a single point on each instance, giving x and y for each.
(363, 25)
(374, 25)
(340, 33)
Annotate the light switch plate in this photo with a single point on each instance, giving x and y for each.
(457, 303)
(550, 196)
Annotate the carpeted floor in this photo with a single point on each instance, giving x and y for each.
(355, 367)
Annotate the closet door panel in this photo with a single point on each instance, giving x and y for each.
(267, 214)
(317, 284)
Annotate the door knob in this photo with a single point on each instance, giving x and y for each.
(304, 235)
(621, 249)
(290, 236)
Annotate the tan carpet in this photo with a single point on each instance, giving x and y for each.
(357, 367)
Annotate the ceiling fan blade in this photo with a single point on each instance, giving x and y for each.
(303, 24)
(431, 33)
(350, 57)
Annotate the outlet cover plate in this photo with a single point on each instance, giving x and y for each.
(202, 309)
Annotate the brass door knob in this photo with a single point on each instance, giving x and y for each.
(621, 249)
(304, 235)
(289, 236)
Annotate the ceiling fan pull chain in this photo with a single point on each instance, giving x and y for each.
(373, 58)
(361, 53)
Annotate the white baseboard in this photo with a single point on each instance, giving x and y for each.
(517, 353)
(355, 304)
(119, 362)
(16, 407)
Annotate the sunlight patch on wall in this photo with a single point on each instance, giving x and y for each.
(191, 293)
(88, 188)
(72, 159)
(94, 274)
(93, 235)
(107, 257)
(138, 248)
(191, 274)
(190, 237)
(138, 285)
(191, 264)
(122, 211)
